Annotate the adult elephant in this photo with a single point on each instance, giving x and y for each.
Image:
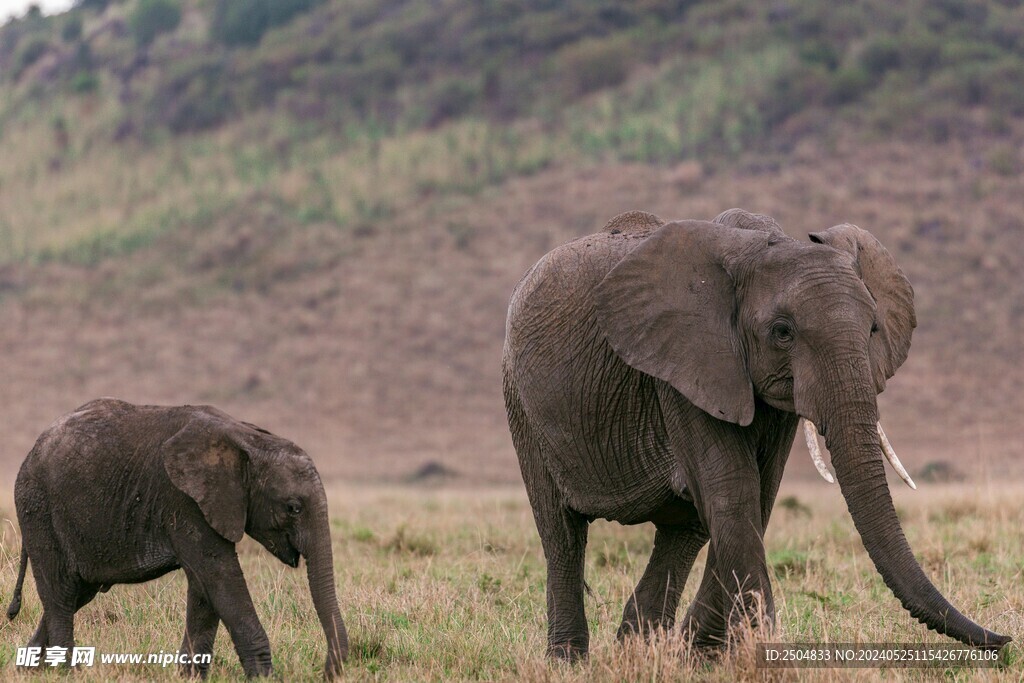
(656, 372)
(117, 493)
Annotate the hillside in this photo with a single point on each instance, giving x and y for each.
(318, 231)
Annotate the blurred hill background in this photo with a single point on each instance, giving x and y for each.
(311, 213)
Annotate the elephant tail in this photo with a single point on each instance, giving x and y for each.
(15, 607)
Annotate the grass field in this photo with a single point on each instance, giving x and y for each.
(449, 584)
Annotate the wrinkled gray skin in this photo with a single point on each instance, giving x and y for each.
(656, 373)
(118, 493)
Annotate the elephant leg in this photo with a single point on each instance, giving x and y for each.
(60, 592)
(722, 471)
(655, 599)
(705, 620)
(39, 638)
(773, 452)
(740, 569)
(224, 584)
(563, 536)
(86, 593)
(57, 625)
(201, 622)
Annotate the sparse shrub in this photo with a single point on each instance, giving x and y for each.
(792, 91)
(647, 142)
(729, 104)
(615, 556)
(243, 22)
(881, 55)
(963, 51)
(959, 11)
(820, 52)
(194, 96)
(83, 59)
(792, 504)
(95, 5)
(592, 64)
(961, 84)
(368, 643)
(897, 104)
(488, 584)
(31, 51)
(789, 562)
(397, 619)
(996, 84)
(72, 28)
(153, 17)
(920, 50)
(404, 543)
(1002, 84)
(1007, 35)
(848, 85)
(453, 98)
(462, 234)
(85, 82)
(240, 22)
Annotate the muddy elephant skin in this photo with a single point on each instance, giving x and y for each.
(117, 493)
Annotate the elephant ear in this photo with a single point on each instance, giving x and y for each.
(668, 309)
(206, 460)
(892, 292)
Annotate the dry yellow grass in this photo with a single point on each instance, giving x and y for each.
(449, 585)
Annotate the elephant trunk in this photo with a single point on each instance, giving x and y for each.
(320, 570)
(847, 420)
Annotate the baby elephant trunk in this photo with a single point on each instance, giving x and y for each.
(320, 570)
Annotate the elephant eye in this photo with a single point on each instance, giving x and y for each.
(874, 327)
(294, 507)
(782, 332)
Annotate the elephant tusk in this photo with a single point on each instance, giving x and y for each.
(890, 455)
(811, 436)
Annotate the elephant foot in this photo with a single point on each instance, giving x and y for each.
(570, 652)
(334, 666)
(258, 669)
(200, 671)
(707, 652)
(642, 628)
(704, 642)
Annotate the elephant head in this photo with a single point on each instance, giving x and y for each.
(244, 478)
(735, 312)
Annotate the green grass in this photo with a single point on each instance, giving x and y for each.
(449, 585)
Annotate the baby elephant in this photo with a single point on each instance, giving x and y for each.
(119, 493)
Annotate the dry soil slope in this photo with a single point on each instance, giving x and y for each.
(381, 351)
